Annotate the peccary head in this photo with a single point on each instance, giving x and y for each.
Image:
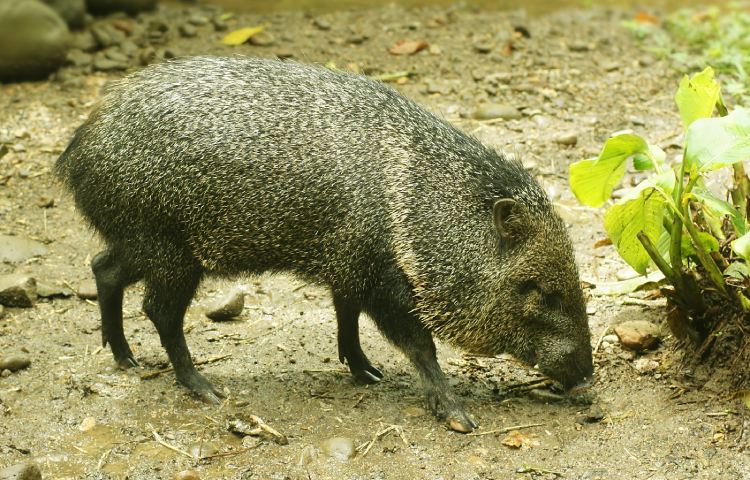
(539, 293)
(525, 297)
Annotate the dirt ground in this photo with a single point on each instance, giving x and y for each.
(577, 79)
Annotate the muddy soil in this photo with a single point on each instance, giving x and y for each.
(577, 79)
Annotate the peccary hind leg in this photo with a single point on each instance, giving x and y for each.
(112, 276)
(165, 303)
(350, 351)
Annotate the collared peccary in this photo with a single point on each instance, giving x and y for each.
(215, 166)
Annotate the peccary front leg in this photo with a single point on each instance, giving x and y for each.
(402, 328)
(165, 303)
(112, 275)
(350, 351)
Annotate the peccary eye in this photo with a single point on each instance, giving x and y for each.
(552, 300)
(528, 286)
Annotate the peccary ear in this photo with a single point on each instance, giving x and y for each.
(501, 214)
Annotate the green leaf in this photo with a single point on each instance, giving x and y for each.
(709, 243)
(646, 161)
(741, 246)
(697, 96)
(718, 208)
(713, 143)
(737, 270)
(593, 180)
(623, 221)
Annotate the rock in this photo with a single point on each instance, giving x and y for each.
(87, 290)
(106, 35)
(638, 335)
(17, 291)
(187, 30)
(202, 449)
(339, 448)
(198, 20)
(22, 471)
(611, 339)
(84, 40)
(262, 39)
(437, 86)
(45, 290)
(228, 307)
(129, 48)
(18, 249)
(492, 111)
(322, 23)
(645, 365)
(594, 415)
(483, 47)
(34, 40)
(566, 138)
(107, 65)
(72, 11)
(15, 363)
(186, 475)
(79, 58)
(219, 24)
(117, 56)
(284, 53)
(579, 47)
(87, 424)
(128, 6)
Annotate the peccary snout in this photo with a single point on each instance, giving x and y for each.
(566, 362)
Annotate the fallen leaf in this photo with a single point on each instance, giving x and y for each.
(602, 242)
(408, 47)
(646, 18)
(238, 37)
(507, 48)
(518, 439)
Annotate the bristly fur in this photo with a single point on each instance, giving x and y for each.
(249, 165)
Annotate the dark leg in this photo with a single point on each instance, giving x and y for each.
(391, 307)
(165, 303)
(112, 276)
(350, 351)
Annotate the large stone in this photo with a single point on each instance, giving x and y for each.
(22, 471)
(33, 40)
(17, 290)
(638, 335)
(72, 11)
(129, 6)
(17, 249)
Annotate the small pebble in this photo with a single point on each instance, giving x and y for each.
(107, 65)
(638, 335)
(595, 414)
(15, 363)
(322, 23)
(567, 138)
(262, 39)
(228, 307)
(187, 30)
(87, 290)
(482, 47)
(492, 111)
(611, 338)
(87, 424)
(198, 20)
(186, 475)
(339, 448)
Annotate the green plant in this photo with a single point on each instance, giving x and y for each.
(715, 36)
(697, 237)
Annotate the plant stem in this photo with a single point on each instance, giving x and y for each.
(675, 245)
(741, 189)
(661, 264)
(714, 274)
